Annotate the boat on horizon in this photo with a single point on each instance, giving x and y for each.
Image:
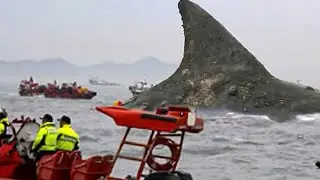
(96, 81)
(53, 90)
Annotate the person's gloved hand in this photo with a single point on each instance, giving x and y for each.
(33, 156)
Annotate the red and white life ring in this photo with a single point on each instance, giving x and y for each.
(174, 155)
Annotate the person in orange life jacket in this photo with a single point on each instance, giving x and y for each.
(45, 142)
(4, 123)
(68, 139)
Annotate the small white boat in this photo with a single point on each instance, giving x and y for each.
(140, 87)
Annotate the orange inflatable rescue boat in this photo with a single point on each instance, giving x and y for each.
(176, 121)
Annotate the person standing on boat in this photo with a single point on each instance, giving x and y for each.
(45, 142)
(68, 139)
(4, 123)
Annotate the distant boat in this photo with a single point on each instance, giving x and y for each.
(139, 87)
(102, 82)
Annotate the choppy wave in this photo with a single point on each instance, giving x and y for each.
(309, 117)
(232, 146)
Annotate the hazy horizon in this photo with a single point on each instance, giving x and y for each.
(282, 35)
(145, 58)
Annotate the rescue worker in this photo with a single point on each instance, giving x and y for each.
(74, 84)
(79, 90)
(4, 123)
(144, 106)
(163, 109)
(117, 103)
(68, 139)
(45, 142)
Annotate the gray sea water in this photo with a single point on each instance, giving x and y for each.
(232, 146)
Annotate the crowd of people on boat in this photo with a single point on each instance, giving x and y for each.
(28, 84)
(30, 87)
(65, 90)
(49, 138)
(68, 87)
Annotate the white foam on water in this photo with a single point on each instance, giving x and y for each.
(240, 116)
(308, 117)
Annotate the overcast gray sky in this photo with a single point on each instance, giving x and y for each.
(284, 35)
